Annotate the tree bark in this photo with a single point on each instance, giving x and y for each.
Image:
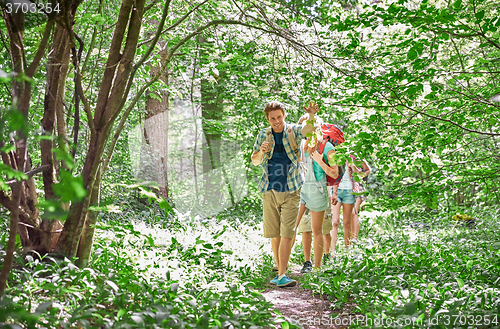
(118, 68)
(156, 129)
(14, 216)
(21, 96)
(85, 246)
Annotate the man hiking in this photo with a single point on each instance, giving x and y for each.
(276, 149)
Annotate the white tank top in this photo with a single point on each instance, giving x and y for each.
(346, 183)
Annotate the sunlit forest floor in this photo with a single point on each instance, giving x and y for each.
(149, 270)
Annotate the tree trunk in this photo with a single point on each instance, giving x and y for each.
(85, 246)
(53, 106)
(194, 113)
(109, 104)
(14, 217)
(155, 146)
(21, 96)
(210, 113)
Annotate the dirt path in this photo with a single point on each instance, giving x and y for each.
(301, 308)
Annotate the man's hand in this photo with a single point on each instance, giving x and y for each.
(265, 147)
(312, 109)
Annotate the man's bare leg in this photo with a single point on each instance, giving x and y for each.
(275, 245)
(327, 240)
(285, 247)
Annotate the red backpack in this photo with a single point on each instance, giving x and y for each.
(331, 134)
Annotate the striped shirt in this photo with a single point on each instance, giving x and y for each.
(294, 179)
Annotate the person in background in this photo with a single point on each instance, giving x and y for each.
(281, 182)
(305, 228)
(364, 171)
(314, 193)
(306, 231)
(342, 194)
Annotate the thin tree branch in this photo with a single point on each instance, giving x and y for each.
(171, 27)
(30, 71)
(30, 174)
(92, 41)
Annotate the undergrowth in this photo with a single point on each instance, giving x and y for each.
(411, 272)
(191, 274)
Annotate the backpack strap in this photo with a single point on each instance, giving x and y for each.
(269, 132)
(269, 140)
(321, 146)
(295, 149)
(293, 142)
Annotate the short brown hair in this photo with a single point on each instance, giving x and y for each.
(273, 106)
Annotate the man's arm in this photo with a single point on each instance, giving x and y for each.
(257, 156)
(312, 110)
(308, 128)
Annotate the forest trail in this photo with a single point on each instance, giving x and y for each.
(302, 308)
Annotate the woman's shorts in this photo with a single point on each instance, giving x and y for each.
(314, 196)
(346, 196)
(305, 222)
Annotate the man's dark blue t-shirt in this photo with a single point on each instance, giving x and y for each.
(278, 166)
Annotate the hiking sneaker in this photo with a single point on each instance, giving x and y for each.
(307, 267)
(285, 281)
(326, 258)
(275, 280)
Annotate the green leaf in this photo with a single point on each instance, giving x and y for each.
(12, 173)
(16, 121)
(412, 54)
(4, 76)
(70, 188)
(113, 285)
(139, 321)
(410, 308)
(64, 156)
(120, 313)
(480, 15)
(461, 283)
(52, 210)
(43, 306)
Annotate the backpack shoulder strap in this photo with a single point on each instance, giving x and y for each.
(321, 146)
(293, 142)
(269, 140)
(268, 134)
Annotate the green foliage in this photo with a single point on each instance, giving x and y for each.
(404, 269)
(115, 292)
(409, 83)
